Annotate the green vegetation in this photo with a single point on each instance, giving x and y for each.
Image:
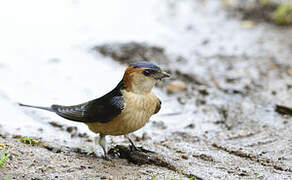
(8, 178)
(256, 177)
(283, 14)
(4, 156)
(264, 2)
(29, 140)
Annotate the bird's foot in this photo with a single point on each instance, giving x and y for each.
(107, 157)
(135, 148)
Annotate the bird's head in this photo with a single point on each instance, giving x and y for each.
(141, 77)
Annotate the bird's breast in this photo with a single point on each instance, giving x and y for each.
(136, 113)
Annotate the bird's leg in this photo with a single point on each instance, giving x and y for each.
(102, 143)
(95, 143)
(133, 145)
(140, 149)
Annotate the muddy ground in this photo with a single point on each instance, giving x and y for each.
(222, 125)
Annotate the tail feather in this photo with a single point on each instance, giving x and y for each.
(38, 107)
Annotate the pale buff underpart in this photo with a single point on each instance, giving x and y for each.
(138, 109)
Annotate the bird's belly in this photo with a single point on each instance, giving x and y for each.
(135, 115)
(120, 125)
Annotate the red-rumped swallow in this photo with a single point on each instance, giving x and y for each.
(125, 109)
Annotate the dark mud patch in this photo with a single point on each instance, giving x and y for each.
(273, 11)
(133, 52)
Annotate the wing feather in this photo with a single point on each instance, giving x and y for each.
(102, 109)
(74, 113)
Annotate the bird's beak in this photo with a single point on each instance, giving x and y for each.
(160, 75)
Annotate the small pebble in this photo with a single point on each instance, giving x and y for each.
(159, 157)
(176, 86)
(184, 156)
(89, 140)
(247, 24)
(16, 136)
(191, 126)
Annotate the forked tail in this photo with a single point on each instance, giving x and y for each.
(38, 107)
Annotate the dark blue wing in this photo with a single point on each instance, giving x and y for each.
(102, 109)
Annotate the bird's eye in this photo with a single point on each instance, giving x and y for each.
(146, 72)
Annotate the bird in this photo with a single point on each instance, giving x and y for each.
(123, 110)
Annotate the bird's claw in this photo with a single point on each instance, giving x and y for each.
(140, 149)
(106, 157)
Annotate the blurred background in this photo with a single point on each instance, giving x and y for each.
(230, 62)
